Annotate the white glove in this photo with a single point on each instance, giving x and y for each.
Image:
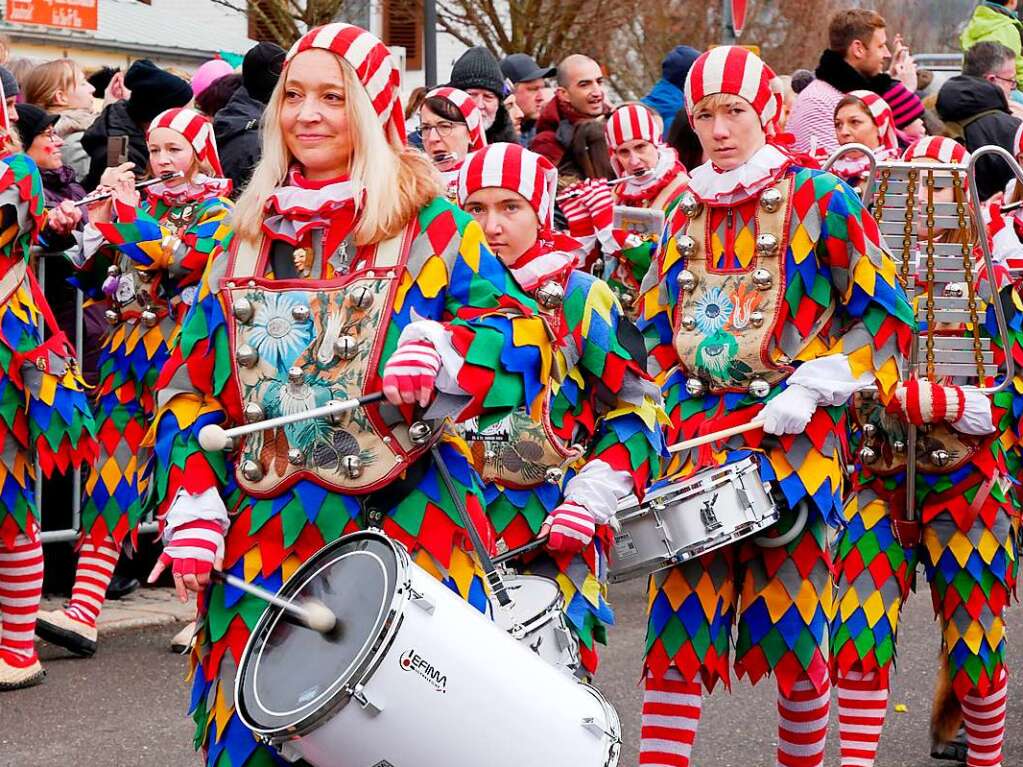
(977, 418)
(790, 411)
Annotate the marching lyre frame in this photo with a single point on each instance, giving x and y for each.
(863, 149)
(892, 194)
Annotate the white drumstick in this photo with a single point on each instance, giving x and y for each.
(705, 439)
(311, 613)
(213, 437)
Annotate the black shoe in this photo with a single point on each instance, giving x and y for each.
(57, 627)
(953, 751)
(121, 586)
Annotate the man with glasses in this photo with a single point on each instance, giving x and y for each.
(975, 106)
(996, 21)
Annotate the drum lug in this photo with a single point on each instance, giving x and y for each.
(371, 707)
(591, 724)
(423, 602)
(563, 637)
(287, 751)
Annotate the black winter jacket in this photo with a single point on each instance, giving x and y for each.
(236, 127)
(963, 97)
(114, 120)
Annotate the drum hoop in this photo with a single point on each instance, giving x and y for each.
(682, 494)
(363, 670)
(614, 725)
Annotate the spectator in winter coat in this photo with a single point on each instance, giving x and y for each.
(854, 60)
(996, 21)
(529, 81)
(478, 74)
(152, 91)
(61, 88)
(666, 97)
(580, 96)
(236, 126)
(977, 103)
(11, 91)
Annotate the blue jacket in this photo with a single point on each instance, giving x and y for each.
(665, 99)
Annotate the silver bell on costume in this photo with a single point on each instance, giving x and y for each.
(550, 295)
(690, 206)
(243, 309)
(296, 457)
(695, 387)
(941, 457)
(352, 466)
(362, 297)
(149, 318)
(868, 455)
(686, 245)
(759, 388)
(300, 313)
(420, 432)
(762, 279)
(246, 356)
(767, 244)
(253, 412)
(686, 281)
(346, 347)
(554, 476)
(112, 317)
(756, 319)
(252, 471)
(770, 200)
(689, 323)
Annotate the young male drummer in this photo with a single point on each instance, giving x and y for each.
(772, 297)
(656, 177)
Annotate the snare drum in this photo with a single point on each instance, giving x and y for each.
(537, 620)
(413, 677)
(690, 517)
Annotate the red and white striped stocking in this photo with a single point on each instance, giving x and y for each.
(862, 702)
(984, 717)
(671, 715)
(803, 724)
(95, 569)
(21, 587)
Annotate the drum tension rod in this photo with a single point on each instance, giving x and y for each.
(310, 614)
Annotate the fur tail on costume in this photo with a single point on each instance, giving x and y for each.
(946, 712)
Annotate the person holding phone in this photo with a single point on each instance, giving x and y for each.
(143, 256)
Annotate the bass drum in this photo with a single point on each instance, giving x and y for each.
(412, 677)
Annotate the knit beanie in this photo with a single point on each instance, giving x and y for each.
(100, 79)
(32, 121)
(677, 63)
(10, 83)
(478, 68)
(261, 69)
(208, 73)
(153, 90)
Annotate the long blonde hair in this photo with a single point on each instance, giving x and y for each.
(391, 182)
(43, 82)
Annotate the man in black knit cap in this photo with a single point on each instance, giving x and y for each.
(152, 91)
(478, 74)
(236, 126)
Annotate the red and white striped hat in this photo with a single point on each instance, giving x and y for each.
(735, 70)
(372, 63)
(197, 130)
(883, 117)
(465, 104)
(940, 148)
(630, 122)
(510, 166)
(1017, 143)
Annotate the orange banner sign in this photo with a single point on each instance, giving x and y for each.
(69, 14)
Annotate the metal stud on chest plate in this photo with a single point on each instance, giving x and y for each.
(767, 244)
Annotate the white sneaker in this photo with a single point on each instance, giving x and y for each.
(59, 628)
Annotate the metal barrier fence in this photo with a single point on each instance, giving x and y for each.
(71, 533)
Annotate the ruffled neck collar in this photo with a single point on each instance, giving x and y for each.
(301, 205)
(199, 187)
(726, 187)
(549, 257)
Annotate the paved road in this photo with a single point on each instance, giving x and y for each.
(123, 707)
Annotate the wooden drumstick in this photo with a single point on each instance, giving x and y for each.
(311, 613)
(756, 423)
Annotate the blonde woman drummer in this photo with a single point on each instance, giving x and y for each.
(772, 297)
(348, 274)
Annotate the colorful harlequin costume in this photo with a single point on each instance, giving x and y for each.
(599, 436)
(305, 315)
(964, 536)
(473, 119)
(145, 265)
(44, 414)
(854, 170)
(772, 295)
